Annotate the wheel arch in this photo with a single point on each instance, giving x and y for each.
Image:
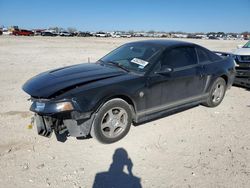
(124, 97)
(213, 79)
(225, 77)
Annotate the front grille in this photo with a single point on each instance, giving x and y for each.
(244, 66)
(241, 73)
(244, 58)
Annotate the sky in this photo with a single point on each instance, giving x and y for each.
(137, 15)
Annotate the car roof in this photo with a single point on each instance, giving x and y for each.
(164, 43)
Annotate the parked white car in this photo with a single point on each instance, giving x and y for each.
(102, 34)
(126, 35)
(6, 31)
(65, 34)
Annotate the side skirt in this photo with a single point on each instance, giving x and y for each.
(161, 111)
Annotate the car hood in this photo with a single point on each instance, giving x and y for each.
(242, 51)
(47, 84)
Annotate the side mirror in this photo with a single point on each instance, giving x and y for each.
(165, 72)
(239, 46)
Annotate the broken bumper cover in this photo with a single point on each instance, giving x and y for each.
(44, 125)
(63, 117)
(63, 128)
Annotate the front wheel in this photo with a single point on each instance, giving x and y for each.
(217, 93)
(112, 121)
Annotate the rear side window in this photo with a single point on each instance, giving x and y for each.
(179, 57)
(202, 55)
(213, 56)
(205, 55)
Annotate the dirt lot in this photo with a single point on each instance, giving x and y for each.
(200, 147)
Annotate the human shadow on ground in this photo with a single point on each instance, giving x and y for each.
(115, 177)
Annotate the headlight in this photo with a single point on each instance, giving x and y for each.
(39, 107)
(64, 106)
(47, 107)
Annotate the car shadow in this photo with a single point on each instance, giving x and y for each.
(115, 177)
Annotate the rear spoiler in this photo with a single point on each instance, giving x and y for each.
(226, 55)
(223, 54)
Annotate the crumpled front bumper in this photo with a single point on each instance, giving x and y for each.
(44, 125)
(63, 128)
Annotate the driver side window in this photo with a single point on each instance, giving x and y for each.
(178, 57)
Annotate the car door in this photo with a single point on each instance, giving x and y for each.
(186, 80)
(178, 77)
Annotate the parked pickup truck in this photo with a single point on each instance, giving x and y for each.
(23, 32)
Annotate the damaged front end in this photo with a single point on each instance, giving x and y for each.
(62, 117)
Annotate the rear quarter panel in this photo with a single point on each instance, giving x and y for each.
(223, 68)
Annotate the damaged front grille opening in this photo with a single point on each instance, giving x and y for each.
(63, 126)
(46, 125)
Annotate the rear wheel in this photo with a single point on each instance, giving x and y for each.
(216, 93)
(112, 121)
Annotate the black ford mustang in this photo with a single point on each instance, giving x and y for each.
(134, 83)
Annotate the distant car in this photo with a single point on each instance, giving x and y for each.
(213, 38)
(116, 35)
(5, 31)
(121, 34)
(101, 34)
(47, 33)
(23, 32)
(66, 34)
(191, 36)
(84, 34)
(38, 32)
(136, 82)
(242, 58)
(126, 35)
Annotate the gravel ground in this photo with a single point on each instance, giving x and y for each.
(199, 147)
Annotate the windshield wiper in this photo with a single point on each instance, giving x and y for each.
(118, 65)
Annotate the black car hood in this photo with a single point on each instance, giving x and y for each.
(51, 82)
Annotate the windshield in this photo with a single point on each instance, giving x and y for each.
(133, 57)
(247, 45)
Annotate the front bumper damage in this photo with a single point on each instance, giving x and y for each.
(63, 124)
(63, 128)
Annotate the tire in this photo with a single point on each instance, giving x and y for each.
(216, 97)
(112, 121)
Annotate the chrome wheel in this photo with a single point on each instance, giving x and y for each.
(114, 122)
(218, 92)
